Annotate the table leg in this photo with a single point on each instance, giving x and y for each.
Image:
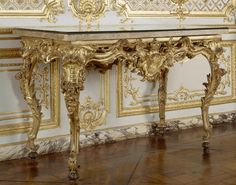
(72, 83)
(27, 85)
(214, 80)
(162, 95)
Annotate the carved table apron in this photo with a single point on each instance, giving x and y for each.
(150, 53)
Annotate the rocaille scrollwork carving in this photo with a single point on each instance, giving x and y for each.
(150, 58)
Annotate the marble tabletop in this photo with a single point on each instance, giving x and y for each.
(76, 33)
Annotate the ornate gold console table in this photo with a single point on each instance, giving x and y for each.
(147, 50)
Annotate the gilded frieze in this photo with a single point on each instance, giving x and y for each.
(177, 8)
(9, 53)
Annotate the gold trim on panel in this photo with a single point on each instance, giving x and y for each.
(130, 111)
(15, 117)
(9, 70)
(10, 65)
(5, 31)
(9, 38)
(107, 91)
(10, 53)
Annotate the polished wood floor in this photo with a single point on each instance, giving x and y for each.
(175, 159)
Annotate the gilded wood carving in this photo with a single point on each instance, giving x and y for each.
(149, 58)
(88, 10)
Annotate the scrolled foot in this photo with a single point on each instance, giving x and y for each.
(206, 148)
(73, 175)
(161, 131)
(153, 129)
(32, 147)
(33, 155)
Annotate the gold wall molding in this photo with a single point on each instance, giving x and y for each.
(5, 30)
(88, 10)
(10, 53)
(182, 98)
(179, 8)
(45, 9)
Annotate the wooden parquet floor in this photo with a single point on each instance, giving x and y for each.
(175, 159)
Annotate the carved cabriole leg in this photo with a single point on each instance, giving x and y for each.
(214, 80)
(162, 95)
(27, 86)
(72, 83)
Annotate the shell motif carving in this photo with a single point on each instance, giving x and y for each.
(88, 10)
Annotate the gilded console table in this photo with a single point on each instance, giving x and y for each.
(149, 51)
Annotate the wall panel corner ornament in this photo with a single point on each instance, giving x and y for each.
(92, 114)
(178, 8)
(43, 9)
(54, 8)
(88, 10)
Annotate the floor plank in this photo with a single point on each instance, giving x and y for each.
(175, 159)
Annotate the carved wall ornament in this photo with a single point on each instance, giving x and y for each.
(180, 12)
(178, 8)
(43, 9)
(88, 10)
(92, 114)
